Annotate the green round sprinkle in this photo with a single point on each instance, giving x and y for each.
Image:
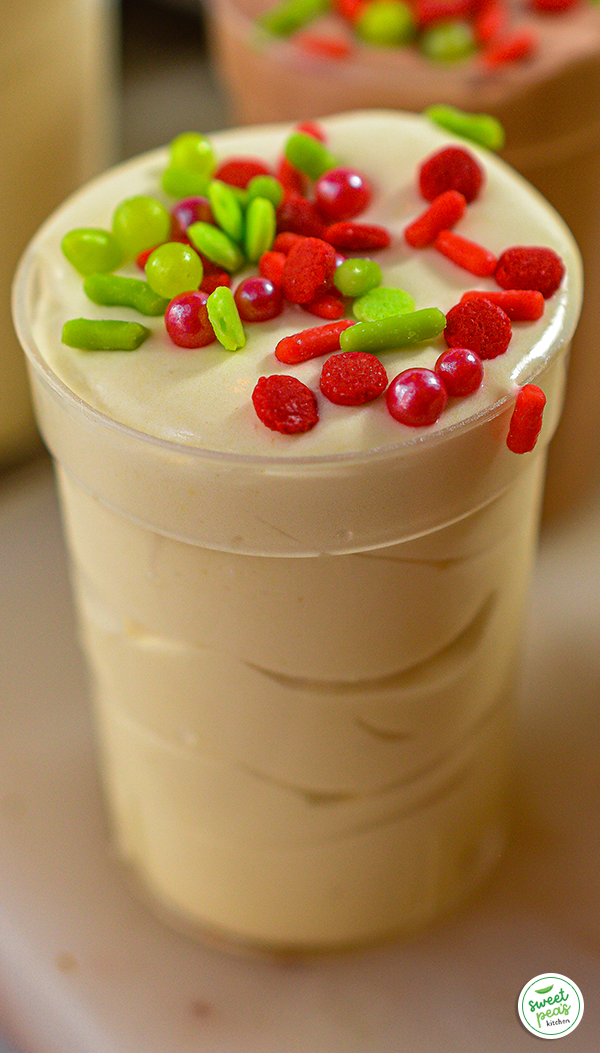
(308, 155)
(448, 41)
(261, 225)
(265, 186)
(225, 319)
(226, 208)
(184, 182)
(290, 15)
(396, 332)
(114, 290)
(382, 303)
(194, 152)
(216, 245)
(90, 249)
(140, 223)
(89, 334)
(480, 128)
(173, 268)
(386, 23)
(354, 277)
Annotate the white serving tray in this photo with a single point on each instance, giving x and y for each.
(86, 968)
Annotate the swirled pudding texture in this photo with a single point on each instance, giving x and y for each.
(303, 647)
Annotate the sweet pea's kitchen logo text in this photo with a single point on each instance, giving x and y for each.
(550, 1005)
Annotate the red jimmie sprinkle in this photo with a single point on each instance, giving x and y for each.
(213, 279)
(428, 12)
(450, 169)
(357, 237)
(284, 241)
(517, 47)
(311, 343)
(445, 210)
(326, 306)
(479, 325)
(521, 305)
(313, 128)
(292, 180)
(353, 378)
(285, 404)
(298, 214)
(238, 171)
(553, 6)
(526, 421)
(351, 10)
(270, 265)
(530, 267)
(466, 254)
(308, 270)
(326, 46)
(490, 21)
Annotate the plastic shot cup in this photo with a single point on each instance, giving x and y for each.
(303, 667)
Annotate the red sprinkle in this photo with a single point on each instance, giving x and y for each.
(553, 7)
(466, 254)
(428, 12)
(213, 279)
(416, 397)
(357, 237)
(490, 21)
(301, 216)
(187, 321)
(283, 242)
(515, 48)
(238, 171)
(327, 47)
(450, 169)
(312, 128)
(521, 305)
(479, 325)
(353, 378)
(445, 210)
(326, 306)
(189, 210)
(526, 421)
(461, 371)
(270, 265)
(351, 10)
(308, 270)
(530, 267)
(311, 343)
(285, 404)
(292, 180)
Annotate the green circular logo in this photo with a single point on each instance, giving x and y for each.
(550, 1005)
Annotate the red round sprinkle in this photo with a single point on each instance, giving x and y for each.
(238, 171)
(357, 237)
(326, 306)
(308, 270)
(526, 421)
(450, 169)
(445, 210)
(257, 299)
(416, 397)
(521, 305)
(342, 193)
(466, 254)
(191, 210)
(353, 378)
(479, 325)
(461, 371)
(530, 267)
(187, 321)
(301, 216)
(311, 343)
(270, 265)
(285, 404)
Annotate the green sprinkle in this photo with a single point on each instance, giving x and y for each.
(225, 319)
(480, 128)
(89, 334)
(448, 41)
(382, 303)
(354, 277)
(184, 182)
(216, 245)
(194, 152)
(226, 208)
(265, 186)
(290, 15)
(261, 224)
(386, 23)
(308, 155)
(90, 250)
(140, 223)
(113, 290)
(174, 268)
(396, 332)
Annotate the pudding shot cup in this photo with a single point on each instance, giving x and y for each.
(303, 649)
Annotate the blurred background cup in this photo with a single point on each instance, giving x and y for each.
(58, 108)
(549, 106)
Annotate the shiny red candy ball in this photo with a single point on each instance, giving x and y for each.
(187, 321)
(461, 371)
(191, 210)
(258, 299)
(416, 397)
(342, 193)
